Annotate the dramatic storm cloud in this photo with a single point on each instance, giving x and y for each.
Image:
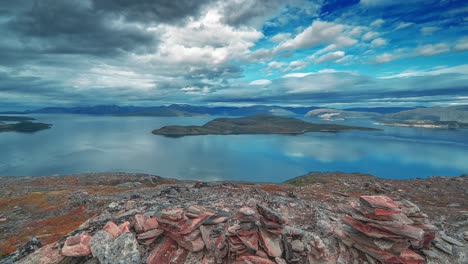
(295, 52)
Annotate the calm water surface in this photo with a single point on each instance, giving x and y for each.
(80, 143)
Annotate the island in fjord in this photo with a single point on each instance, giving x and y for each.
(257, 124)
(21, 124)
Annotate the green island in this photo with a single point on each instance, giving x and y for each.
(257, 124)
(23, 124)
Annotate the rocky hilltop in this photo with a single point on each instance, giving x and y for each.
(257, 124)
(315, 218)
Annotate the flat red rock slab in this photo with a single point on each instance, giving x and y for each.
(246, 232)
(209, 242)
(197, 210)
(124, 227)
(394, 223)
(257, 260)
(379, 211)
(139, 221)
(251, 241)
(143, 223)
(237, 247)
(411, 257)
(275, 231)
(235, 240)
(406, 231)
(192, 235)
(367, 229)
(379, 201)
(150, 234)
(184, 226)
(379, 254)
(270, 214)
(179, 256)
(163, 252)
(172, 226)
(366, 212)
(193, 246)
(77, 246)
(175, 214)
(394, 246)
(270, 224)
(218, 220)
(112, 229)
(271, 243)
(151, 223)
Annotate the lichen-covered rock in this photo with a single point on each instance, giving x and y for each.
(122, 250)
(23, 251)
(99, 244)
(48, 254)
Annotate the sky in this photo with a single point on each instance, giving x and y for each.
(233, 52)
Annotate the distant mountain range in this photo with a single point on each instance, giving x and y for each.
(451, 117)
(191, 110)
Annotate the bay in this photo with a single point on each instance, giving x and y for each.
(83, 143)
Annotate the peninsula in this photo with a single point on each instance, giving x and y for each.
(21, 124)
(257, 124)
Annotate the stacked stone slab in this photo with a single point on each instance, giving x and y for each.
(387, 230)
(181, 234)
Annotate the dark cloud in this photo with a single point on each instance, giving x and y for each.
(248, 12)
(75, 27)
(150, 11)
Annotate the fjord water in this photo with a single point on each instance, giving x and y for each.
(81, 143)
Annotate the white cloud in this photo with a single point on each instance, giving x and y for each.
(370, 35)
(425, 50)
(461, 69)
(378, 42)
(383, 58)
(296, 65)
(429, 30)
(432, 49)
(260, 82)
(403, 25)
(190, 89)
(462, 44)
(205, 42)
(275, 65)
(345, 59)
(280, 37)
(377, 23)
(330, 56)
(297, 75)
(108, 76)
(318, 33)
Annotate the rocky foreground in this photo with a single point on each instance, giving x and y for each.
(316, 218)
